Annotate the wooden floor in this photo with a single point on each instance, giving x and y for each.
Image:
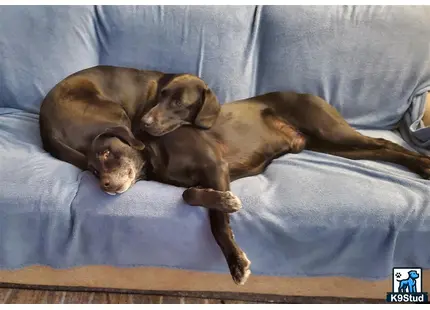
(14, 295)
(24, 296)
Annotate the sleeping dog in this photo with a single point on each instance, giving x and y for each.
(241, 141)
(101, 105)
(87, 120)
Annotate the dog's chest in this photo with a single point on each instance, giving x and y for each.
(172, 167)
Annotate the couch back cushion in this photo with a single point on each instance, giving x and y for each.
(366, 61)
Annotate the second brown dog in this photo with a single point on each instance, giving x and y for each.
(247, 135)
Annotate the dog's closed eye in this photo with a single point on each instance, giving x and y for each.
(104, 155)
(177, 103)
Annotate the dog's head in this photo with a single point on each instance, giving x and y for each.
(183, 100)
(413, 274)
(115, 159)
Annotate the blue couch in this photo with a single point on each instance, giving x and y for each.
(308, 215)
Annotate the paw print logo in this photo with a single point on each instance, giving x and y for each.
(398, 275)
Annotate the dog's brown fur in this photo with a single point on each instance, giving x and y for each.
(245, 137)
(88, 120)
(101, 106)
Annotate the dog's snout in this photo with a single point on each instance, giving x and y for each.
(106, 184)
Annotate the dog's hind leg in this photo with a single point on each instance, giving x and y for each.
(401, 287)
(414, 162)
(330, 133)
(321, 122)
(349, 137)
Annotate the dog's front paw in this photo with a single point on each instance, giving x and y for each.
(224, 201)
(230, 202)
(239, 266)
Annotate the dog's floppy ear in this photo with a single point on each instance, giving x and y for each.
(209, 110)
(123, 133)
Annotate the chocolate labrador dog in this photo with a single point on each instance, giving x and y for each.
(241, 141)
(100, 106)
(245, 137)
(248, 134)
(87, 120)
